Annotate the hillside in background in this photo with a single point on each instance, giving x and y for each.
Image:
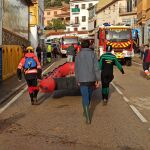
(55, 3)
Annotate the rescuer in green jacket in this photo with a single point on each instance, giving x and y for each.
(106, 63)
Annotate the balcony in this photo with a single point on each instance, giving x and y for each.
(125, 12)
(75, 10)
(74, 24)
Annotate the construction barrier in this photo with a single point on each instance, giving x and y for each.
(11, 55)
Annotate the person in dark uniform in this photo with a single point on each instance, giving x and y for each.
(146, 61)
(106, 63)
(39, 50)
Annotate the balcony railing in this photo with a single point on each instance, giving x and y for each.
(124, 10)
(74, 24)
(75, 10)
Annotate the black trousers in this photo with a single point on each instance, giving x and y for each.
(33, 88)
(31, 82)
(106, 78)
(146, 65)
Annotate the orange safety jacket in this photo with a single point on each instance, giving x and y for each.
(22, 62)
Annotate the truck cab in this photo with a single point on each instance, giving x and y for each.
(67, 41)
(120, 38)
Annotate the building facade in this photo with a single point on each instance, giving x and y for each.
(79, 14)
(15, 29)
(37, 23)
(117, 12)
(14, 32)
(65, 17)
(92, 18)
(128, 13)
(143, 16)
(52, 13)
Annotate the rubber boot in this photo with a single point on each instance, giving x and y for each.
(83, 110)
(87, 115)
(31, 97)
(35, 97)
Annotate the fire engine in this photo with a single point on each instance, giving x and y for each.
(66, 41)
(120, 37)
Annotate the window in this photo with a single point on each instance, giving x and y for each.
(55, 12)
(83, 28)
(83, 6)
(90, 5)
(83, 18)
(48, 13)
(76, 6)
(114, 8)
(129, 5)
(76, 20)
(75, 29)
(95, 24)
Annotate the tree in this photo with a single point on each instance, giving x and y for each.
(56, 25)
(49, 27)
(47, 3)
(57, 3)
(54, 3)
(67, 1)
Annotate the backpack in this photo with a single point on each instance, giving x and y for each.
(30, 63)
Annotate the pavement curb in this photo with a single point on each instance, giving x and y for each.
(12, 93)
(15, 90)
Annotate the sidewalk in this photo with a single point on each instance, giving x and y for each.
(11, 85)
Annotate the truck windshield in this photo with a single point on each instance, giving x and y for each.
(70, 40)
(115, 35)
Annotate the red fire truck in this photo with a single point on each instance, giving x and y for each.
(66, 41)
(120, 37)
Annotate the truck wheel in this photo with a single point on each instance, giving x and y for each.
(128, 62)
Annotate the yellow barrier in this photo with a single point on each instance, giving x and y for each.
(11, 56)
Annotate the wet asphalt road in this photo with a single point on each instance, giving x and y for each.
(57, 123)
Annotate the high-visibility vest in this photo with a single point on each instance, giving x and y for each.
(49, 48)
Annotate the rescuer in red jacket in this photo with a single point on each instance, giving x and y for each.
(31, 68)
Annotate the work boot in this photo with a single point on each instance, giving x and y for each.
(87, 115)
(35, 101)
(105, 101)
(31, 97)
(35, 97)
